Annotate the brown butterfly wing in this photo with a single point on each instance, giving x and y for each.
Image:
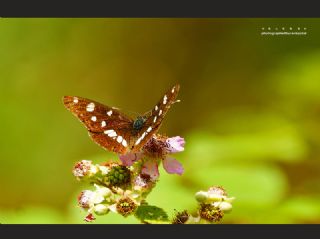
(113, 130)
(107, 126)
(154, 118)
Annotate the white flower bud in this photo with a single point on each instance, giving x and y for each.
(97, 198)
(214, 197)
(93, 170)
(85, 199)
(113, 208)
(225, 206)
(103, 169)
(201, 196)
(103, 191)
(101, 209)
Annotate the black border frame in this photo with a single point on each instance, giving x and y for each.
(160, 8)
(161, 231)
(155, 9)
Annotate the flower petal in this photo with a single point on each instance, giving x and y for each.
(85, 198)
(97, 198)
(176, 144)
(172, 165)
(113, 208)
(130, 158)
(150, 167)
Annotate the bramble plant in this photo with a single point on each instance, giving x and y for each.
(123, 187)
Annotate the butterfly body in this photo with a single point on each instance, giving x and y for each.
(115, 131)
(138, 123)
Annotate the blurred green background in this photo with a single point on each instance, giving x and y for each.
(249, 111)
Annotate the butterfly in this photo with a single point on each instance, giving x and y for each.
(115, 131)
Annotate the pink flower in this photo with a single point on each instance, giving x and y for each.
(150, 167)
(176, 144)
(130, 158)
(158, 147)
(143, 181)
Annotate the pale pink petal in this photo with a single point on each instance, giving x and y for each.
(172, 165)
(150, 167)
(85, 198)
(130, 158)
(176, 144)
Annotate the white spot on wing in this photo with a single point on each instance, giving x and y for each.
(138, 141)
(90, 107)
(119, 139)
(110, 133)
(75, 100)
(113, 134)
(155, 119)
(141, 138)
(165, 99)
(109, 112)
(160, 112)
(94, 118)
(172, 90)
(156, 108)
(103, 123)
(124, 143)
(149, 129)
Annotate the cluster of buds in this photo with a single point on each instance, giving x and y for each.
(95, 201)
(213, 204)
(117, 188)
(122, 187)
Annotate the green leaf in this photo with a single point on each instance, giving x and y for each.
(151, 214)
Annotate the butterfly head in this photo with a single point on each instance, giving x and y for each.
(138, 123)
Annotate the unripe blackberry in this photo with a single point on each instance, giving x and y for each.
(118, 176)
